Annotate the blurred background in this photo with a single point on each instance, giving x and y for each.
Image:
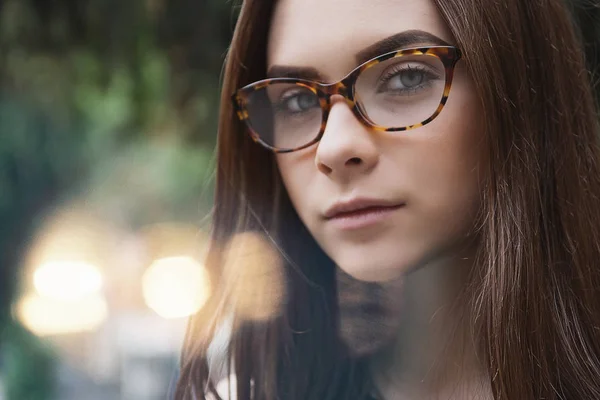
(108, 112)
(107, 132)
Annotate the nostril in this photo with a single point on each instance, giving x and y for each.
(354, 161)
(324, 168)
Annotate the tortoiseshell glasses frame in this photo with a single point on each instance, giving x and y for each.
(448, 55)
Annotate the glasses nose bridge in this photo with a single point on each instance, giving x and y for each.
(342, 88)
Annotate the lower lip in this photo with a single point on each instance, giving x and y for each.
(363, 218)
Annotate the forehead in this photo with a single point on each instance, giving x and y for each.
(326, 34)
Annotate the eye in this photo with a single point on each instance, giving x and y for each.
(298, 101)
(406, 79)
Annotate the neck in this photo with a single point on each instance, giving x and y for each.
(433, 355)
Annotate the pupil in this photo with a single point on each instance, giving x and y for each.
(306, 101)
(412, 78)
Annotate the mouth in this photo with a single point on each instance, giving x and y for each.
(364, 211)
(359, 213)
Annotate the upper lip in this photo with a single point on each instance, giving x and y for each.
(357, 204)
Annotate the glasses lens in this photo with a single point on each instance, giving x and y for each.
(401, 91)
(284, 115)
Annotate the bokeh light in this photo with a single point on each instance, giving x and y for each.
(51, 316)
(64, 274)
(176, 287)
(70, 238)
(67, 280)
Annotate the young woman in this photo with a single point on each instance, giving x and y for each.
(428, 171)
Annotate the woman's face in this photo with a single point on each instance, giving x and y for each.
(420, 187)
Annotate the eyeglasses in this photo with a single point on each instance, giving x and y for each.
(396, 91)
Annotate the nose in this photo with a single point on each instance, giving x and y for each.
(347, 147)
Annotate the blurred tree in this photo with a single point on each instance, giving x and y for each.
(81, 78)
(168, 54)
(81, 82)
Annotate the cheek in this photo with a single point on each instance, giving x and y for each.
(452, 169)
(448, 179)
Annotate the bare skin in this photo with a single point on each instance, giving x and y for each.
(434, 170)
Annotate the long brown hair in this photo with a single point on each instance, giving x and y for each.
(536, 288)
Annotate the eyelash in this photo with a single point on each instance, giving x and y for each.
(398, 68)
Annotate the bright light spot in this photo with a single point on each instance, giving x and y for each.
(67, 280)
(49, 316)
(176, 287)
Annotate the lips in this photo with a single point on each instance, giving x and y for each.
(359, 206)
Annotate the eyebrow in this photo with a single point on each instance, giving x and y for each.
(398, 41)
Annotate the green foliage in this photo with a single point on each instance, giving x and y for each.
(111, 101)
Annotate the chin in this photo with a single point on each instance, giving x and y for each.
(379, 258)
(378, 272)
(372, 275)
